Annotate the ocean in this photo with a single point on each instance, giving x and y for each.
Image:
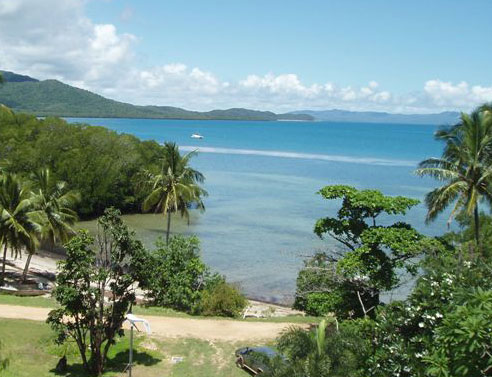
(262, 179)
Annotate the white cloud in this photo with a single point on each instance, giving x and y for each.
(55, 39)
(461, 95)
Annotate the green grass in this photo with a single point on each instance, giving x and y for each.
(31, 351)
(37, 302)
(43, 302)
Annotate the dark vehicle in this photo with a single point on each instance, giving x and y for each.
(256, 359)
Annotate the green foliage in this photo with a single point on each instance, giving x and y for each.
(465, 237)
(52, 211)
(176, 187)
(53, 205)
(17, 229)
(463, 341)
(96, 162)
(349, 283)
(223, 300)
(94, 288)
(327, 351)
(176, 274)
(442, 329)
(321, 290)
(464, 168)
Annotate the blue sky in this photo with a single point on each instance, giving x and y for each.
(413, 56)
(401, 44)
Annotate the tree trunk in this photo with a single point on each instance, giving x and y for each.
(477, 229)
(2, 278)
(26, 267)
(168, 226)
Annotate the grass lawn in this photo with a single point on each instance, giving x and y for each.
(37, 302)
(31, 351)
(45, 302)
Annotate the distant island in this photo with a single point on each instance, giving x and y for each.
(54, 98)
(444, 118)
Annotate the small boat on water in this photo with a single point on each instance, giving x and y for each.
(196, 136)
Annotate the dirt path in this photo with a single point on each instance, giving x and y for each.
(169, 327)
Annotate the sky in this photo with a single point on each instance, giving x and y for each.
(279, 55)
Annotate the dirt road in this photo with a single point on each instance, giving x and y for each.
(169, 327)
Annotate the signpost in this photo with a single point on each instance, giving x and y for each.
(133, 321)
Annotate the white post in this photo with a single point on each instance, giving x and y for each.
(130, 361)
(132, 320)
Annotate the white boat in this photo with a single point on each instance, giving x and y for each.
(196, 136)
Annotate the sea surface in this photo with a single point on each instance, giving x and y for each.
(262, 179)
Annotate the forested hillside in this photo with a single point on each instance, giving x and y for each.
(54, 98)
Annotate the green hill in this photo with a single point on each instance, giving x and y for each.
(52, 97)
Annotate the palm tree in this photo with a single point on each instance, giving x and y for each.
(316, 353)
(16, 227)
(465, 168)
(176, 186)
(53, 205)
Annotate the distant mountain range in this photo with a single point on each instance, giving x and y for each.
(52, 97)
(444, 118)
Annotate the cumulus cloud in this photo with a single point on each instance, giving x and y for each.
(55, 39)
(460, 95)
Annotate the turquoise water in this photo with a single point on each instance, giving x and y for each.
(262, 178)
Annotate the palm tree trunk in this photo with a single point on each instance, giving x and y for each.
(2, 278)
(26, 267)
(477, 228)
(168, 226)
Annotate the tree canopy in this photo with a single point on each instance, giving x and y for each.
(349, 280)
(102, 165)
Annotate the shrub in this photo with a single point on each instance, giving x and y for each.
(442, 329)
(176, 274)
(222, 299)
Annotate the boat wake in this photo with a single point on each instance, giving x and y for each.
(305, 156)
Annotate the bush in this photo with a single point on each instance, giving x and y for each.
(176, 274)
(442, 329)
(321, 290)
(222, 299)
(328, 351)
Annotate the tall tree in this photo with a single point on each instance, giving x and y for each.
(175, 187)
(17, 230)
(465, 168)
(95, 289)
(53, 205)
(348, 281)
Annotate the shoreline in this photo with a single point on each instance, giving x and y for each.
(43, 264)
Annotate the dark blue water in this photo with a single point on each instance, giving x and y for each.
(262, 178)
